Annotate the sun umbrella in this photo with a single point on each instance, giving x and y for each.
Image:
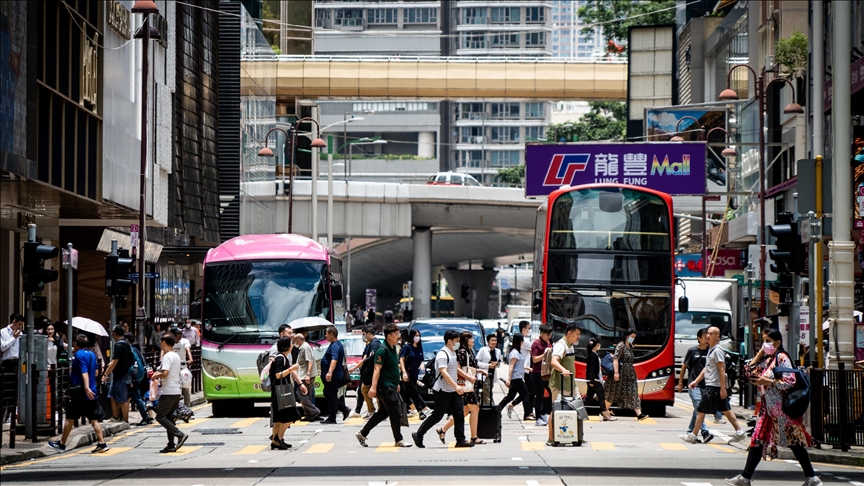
(310, 323)
(88, 325)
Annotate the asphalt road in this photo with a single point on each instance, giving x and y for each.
(234, 451)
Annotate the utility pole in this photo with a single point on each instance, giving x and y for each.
(30, 358)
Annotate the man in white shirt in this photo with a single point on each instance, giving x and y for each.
(307, 373)
(190, 333)
(447, 394)
(487, 361)
(9, 342)
(528, 404)
(170, 397)
(184, 353)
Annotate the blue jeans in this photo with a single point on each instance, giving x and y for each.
(696, 397)
(135, 393)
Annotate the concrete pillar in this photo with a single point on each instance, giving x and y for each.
(480, 283)
(422, 280)
(426, 144)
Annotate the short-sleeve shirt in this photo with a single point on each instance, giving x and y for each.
(538, 347)
(445, 359)
(304, 356)
(84, 363)
(413, 360)
(561, 349)
(712, 373)
(518, 371)
(388, 358)
(367, 368)
(171, 383)
(124, 357)
(180, 348)
(335, 352)
(695, 361)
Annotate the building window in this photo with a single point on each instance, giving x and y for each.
(386, 106)
(505, 134)
(535, 133)
(349, 17)
(535, 39)
(472, 135)
(471, 111)
(473, 41)
(535, 14)
(505, 157)
(534, 110)
(505, 110)
(501, 15)
(382, 16)
(421, 16)
(503, 40)
(472, 158)
(474, 16)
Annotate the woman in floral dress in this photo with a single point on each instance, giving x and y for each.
(773, 427)
(622, 389)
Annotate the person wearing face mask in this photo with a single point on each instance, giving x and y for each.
(515, 380)
(622, 389)
(190, 334)
(594, 377)
(693, 364)
(410, 361)
(773, 427)
(366, 371)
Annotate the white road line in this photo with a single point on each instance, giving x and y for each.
(856, 483)
(517, 458)
(697, 484)
(532, 483)
(523, 437)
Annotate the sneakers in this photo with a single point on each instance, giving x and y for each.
(100, 448)
(509, 411)
(814, 481)
(412, 413)
(168, 448)
(738, 437)
(144, 422)
(739, 480)
(354, 413)
(689, 438)
(530, 417)
(463, 445)
(642, 416)
(181, 439)
(719, 420)
(422, 415)
(366, 416)
(418, 441)
(402, 444)
(707, 437)
(541, 422)
(55, 444)
(115, 420)
(551, 443)
(361, 439)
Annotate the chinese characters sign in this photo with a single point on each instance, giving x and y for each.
(674, 167)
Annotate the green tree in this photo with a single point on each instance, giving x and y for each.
(617, 16)
(605, 121)
(512, 175)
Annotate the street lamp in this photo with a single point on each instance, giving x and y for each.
(679, 138)
(146, 32)
(289, 153)
(729, 94)
(345, 126)
(360, 141)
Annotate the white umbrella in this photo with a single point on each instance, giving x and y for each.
(310, 323)
(88, 325)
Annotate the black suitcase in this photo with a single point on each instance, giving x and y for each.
(489, 420)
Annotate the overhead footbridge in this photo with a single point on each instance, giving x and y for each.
(325, 77)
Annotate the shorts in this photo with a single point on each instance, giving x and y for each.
(119, 391)
(711, 402)
(84, 408)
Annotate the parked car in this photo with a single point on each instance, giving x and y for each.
(452, 179)
(432, 336)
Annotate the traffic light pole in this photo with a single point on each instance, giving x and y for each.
(29, 359)
(70, 293)
(114, 299)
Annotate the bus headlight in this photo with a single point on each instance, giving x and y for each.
(216, 369)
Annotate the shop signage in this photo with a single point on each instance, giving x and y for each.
(89, 71)
(690, 264)
(670, 167)
(117, 17)
(856, 78)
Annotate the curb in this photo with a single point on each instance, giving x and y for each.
(819, 455)
(20, 456)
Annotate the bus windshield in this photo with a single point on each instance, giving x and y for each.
(687, 324)
(252, 297)
(607, 314)
(609, 219)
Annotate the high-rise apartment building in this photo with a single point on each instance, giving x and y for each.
(567, 39)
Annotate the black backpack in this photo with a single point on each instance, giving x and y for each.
(796, 400)
(431, 375)
(367, 369)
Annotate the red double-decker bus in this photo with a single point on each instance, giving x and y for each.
(603, 258)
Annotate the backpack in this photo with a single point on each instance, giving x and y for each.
(388, 316)
(546, 364)
(796, 400)
(367, 369)
(608, 365)
(138, 370)
(263, 362)
(431, 374)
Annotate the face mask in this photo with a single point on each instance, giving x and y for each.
(188, 325)
(416, 339)
(630, 340)
(768, 348)
(456, 346)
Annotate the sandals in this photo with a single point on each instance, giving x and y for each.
(475, 441)
(441, 435)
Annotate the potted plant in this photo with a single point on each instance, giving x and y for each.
(791, 53)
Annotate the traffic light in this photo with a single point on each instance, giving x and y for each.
(465, 294)
(117, 268)
(784, 288)
(790, 253)
(35, 274)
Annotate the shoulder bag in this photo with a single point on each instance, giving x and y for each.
(284, 391)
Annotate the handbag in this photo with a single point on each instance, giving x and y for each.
(284, 394)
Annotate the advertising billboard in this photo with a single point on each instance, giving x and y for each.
(676, 168)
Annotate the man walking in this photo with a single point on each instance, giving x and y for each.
(385, 386)
(528, 406)
(183, 348)
(487, 361)
(563, 369)
(10, 337)
(447, 393)
(366, 371)
(694, 363)
(169, 373)
(542, 403)
(307, 373)
(83, 400)
(714, 395)
(334, 362)
(121, 360)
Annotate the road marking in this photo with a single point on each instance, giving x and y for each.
(318, 449)
(647, 421)
(532, 483)
(387, 447)
(253, 449)
(856, 483)
(603, 446)
(697, 484)
(300, 423)
(672, 446)
(723, 448)
(112, 451)
(533, 446)
(192, 424)
(353, 421)
(183, 451)
(245, 422)
(516, 458)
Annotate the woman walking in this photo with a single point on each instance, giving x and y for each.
(595, 380)
(515, 377)
(468, 364)
(773, 427)
(623, 389)
(281, 370)
(410, 361)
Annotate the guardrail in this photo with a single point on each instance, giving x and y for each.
(837, 406)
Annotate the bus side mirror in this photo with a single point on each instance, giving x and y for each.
(336, 291)
(537, 302)
(683, 304)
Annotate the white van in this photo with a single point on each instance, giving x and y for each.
(713, 302)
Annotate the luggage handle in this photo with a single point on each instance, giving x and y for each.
(572, 385)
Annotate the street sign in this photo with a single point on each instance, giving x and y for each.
(133, 235)
(70, 259)
(153, 275)
(405, 291)
(136, 275)
(804, 324)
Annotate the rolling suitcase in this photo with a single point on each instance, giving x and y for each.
(568, 415)
(489, 419)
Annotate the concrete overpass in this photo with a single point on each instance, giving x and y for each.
(324, 77)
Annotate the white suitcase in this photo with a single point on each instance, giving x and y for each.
(566, 427)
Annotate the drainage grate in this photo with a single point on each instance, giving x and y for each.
(218, 431)
(205, 444)
(23, 446)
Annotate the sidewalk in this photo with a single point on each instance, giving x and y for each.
(827, 455)
(81, 436)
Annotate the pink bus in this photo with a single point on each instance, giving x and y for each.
(252, 285)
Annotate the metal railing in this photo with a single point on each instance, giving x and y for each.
(9, 403)
(837, 406)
